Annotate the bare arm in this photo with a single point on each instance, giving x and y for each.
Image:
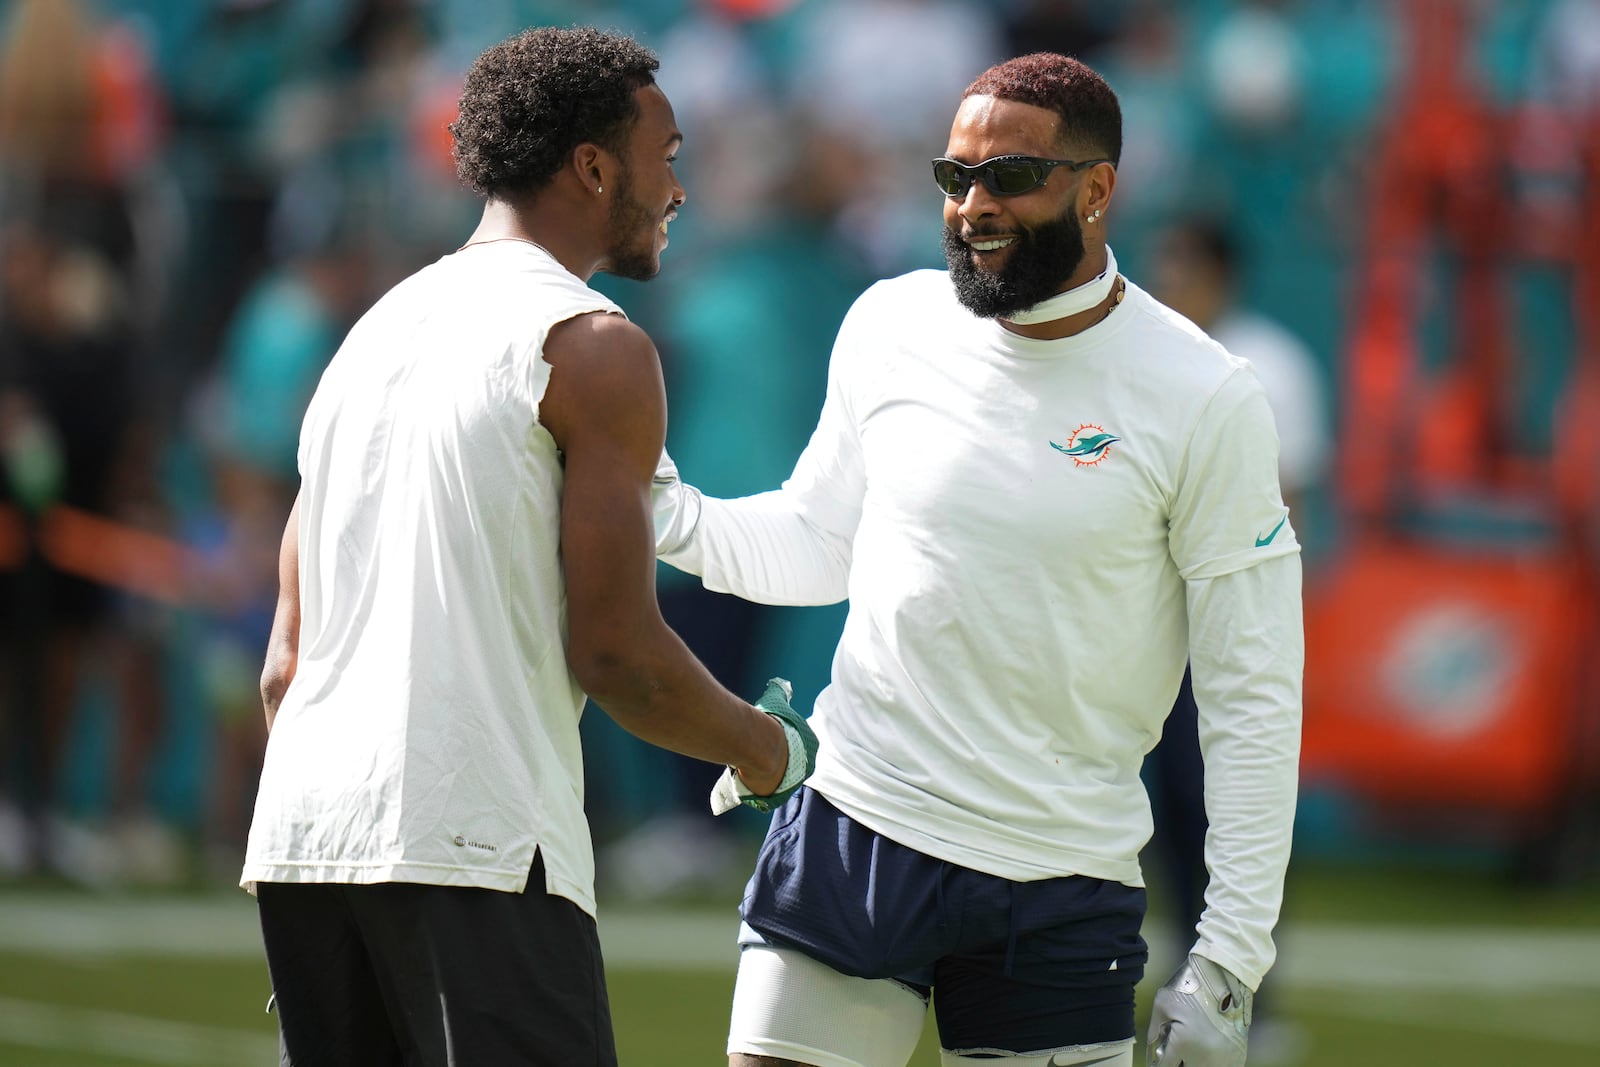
(283, 647)
(606, 408)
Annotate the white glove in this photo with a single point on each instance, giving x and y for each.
(676, 507)
(1201, 1018)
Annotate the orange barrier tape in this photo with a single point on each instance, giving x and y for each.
(100, 550)
(13, 538)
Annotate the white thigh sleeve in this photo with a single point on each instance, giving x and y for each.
(1113, 1054)
(788, 1006)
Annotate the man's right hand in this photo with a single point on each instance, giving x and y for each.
(730, 790)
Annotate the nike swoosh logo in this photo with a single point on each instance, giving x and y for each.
(1263, 542)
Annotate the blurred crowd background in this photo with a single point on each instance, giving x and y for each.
(1392, 208)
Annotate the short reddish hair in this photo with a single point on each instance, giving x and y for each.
(1091, 118)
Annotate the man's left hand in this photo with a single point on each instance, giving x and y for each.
(1201, 1018)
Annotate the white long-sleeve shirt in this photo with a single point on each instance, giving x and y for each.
(1034, 536)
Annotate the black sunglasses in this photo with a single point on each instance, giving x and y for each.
(1002, 175)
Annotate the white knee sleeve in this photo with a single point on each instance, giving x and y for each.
(1113, 1054)
(789, 1006)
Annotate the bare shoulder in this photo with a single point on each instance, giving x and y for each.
(603, 368)
(604, 337)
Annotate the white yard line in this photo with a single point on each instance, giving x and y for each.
(1332, 956)
(1402, 975)
(76, 925)
(1524, 1018)
(1452, 959)
(137, 1038)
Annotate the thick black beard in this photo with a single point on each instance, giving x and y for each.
(1039, 265)
(630, 256)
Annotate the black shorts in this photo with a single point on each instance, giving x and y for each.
(434, 976)
(1015, 965)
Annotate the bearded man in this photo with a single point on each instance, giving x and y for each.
(1042, 493)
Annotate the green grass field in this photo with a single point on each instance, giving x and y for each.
(1380, 969)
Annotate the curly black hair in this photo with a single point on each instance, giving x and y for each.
(530, 100)
(1090, 114)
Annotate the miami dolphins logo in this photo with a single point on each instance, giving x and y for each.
(1088, 445)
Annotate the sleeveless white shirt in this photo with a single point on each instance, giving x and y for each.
(430, 733)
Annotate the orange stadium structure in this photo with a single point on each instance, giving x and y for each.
(1450, 678)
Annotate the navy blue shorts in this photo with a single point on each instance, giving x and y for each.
(1015, 965)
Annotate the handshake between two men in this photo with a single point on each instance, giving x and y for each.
(730, 790)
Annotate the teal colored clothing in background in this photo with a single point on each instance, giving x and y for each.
(273, 356)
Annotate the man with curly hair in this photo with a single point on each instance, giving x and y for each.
(1042, 492)
(471, 552)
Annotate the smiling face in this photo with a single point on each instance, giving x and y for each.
(647, 194)
(1007, 253)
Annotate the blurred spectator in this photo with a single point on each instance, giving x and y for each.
(1197, 273)
(73, 280)
(261, 90)
(1282, 151)
(275, 349)
(884, 74)
(1253, 67)
(712, 71)
(1148, 66)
